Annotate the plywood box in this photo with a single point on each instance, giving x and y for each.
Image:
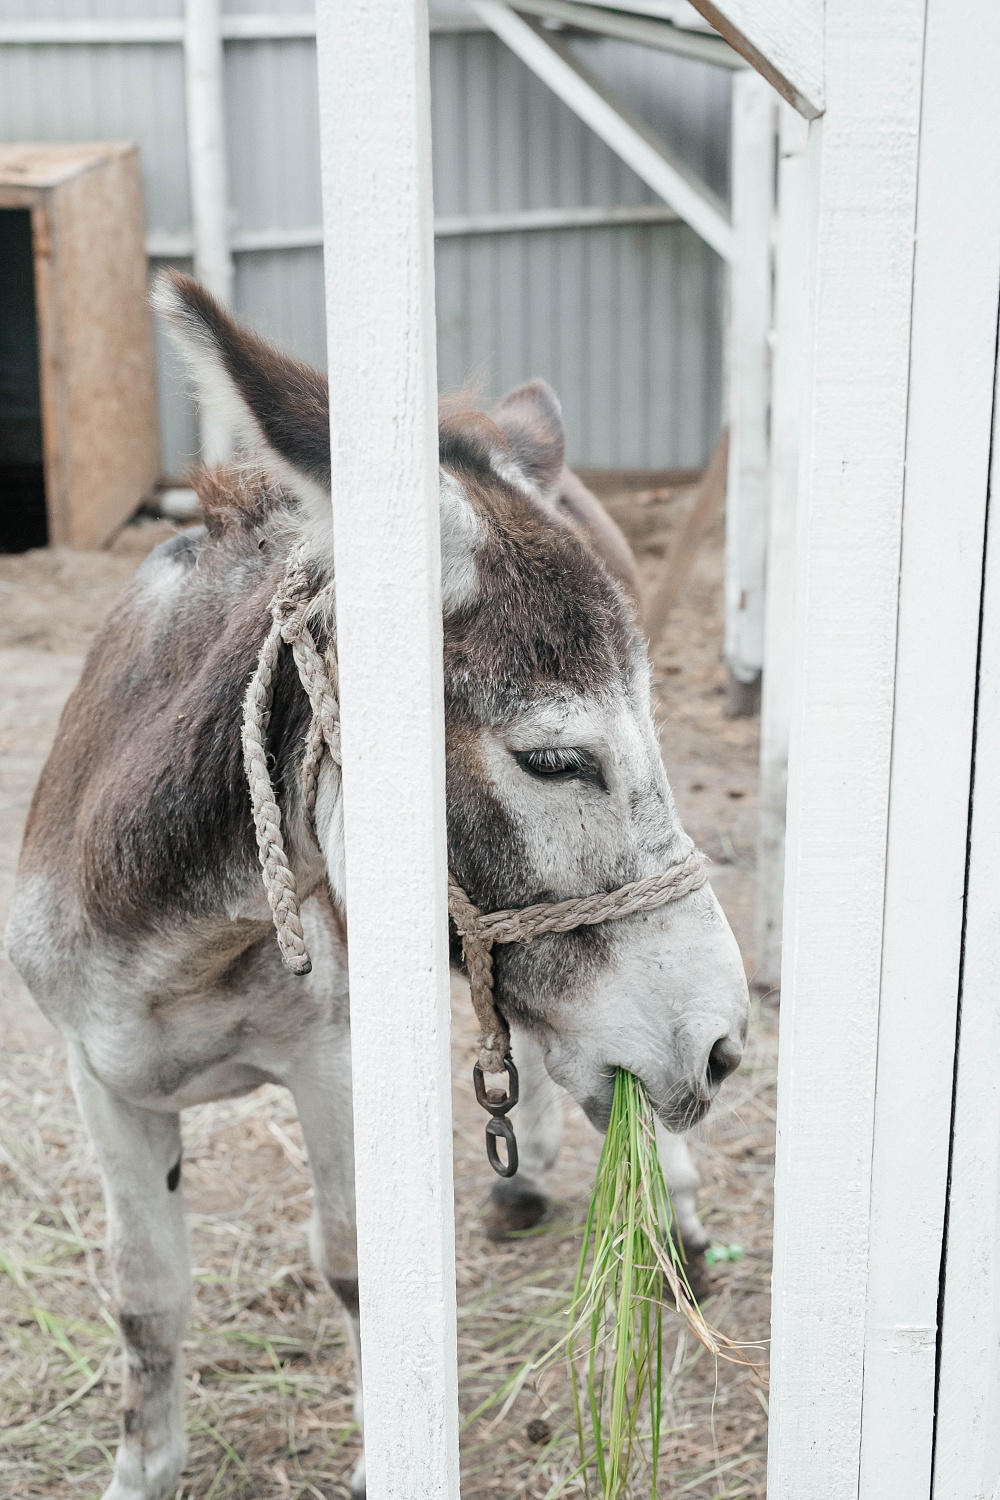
(99, 440)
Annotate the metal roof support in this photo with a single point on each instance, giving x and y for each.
(608, 117)
(374, 97)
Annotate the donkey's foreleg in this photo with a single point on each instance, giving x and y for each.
(139, 1153)
(519, 1202)
(322, 1091)
(683, 1182)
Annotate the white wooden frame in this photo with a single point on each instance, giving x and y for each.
(897, 400)
(897, 385)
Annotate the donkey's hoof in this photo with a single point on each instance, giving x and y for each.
(513, 1210)
(154, 1477)
(358, 1487)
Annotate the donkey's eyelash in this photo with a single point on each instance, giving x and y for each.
(552, 764)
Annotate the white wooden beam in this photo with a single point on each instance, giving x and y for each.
(790, 278)
(952, 358)
(533, 220)
(620, 129)
(967, 1438)
(862, 164)
(753, 133)
(116, 31)
(958, 225)
(378, 220)
(782, 39)
(206, 142)
(644, 31)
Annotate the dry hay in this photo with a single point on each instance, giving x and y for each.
(269, 1375)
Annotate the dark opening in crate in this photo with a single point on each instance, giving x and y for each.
(23, 522)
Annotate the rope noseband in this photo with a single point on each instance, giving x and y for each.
(479, 931)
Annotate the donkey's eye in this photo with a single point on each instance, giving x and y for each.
(557, 765)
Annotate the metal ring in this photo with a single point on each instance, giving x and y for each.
(496, 1108)
(500, 1126)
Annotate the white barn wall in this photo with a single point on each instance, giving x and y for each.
(862, 163)
(626, 322)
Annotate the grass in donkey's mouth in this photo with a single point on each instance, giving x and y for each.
(629, 1263)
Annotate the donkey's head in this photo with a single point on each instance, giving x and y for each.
(556, 787)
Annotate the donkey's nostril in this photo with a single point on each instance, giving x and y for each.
(724, 1058)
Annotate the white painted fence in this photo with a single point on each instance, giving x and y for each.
(892, 934)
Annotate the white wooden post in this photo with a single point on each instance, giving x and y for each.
(748, 379)
(205, 119)
(378, 221)
(863, 173)
(967, 1447)
(962, 229)
(952, 359)
(952, 354)
(790, 276)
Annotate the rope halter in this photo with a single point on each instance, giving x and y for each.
(480, 931)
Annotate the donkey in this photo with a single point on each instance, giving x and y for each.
(139, 921)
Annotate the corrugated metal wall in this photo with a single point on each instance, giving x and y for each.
(625, 322)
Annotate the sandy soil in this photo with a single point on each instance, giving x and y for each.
(269, 1394)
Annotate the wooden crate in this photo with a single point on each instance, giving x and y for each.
(100, 430)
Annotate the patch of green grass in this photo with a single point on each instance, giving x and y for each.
(630, 1261)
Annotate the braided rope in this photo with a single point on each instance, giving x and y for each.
(479, 931)
(290, 609)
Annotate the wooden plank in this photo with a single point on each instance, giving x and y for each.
(46, 165)
(862, 168)
(754, 103)
(952, 360)
(967, 1438)
(782, 39)
(111, 444)
(790, 276)
(378, 219)
(617, 125)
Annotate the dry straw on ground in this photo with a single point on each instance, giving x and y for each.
(269, 1375)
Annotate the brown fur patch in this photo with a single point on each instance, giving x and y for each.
(289, 400)
(346, 1289)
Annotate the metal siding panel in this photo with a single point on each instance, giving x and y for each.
(271, 134)
(178, 412)
(60, 10)
(625, 323)
(130, 92)
(281, 293)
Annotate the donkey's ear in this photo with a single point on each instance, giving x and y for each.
(530, 418)
(463, 532)
(273, 406)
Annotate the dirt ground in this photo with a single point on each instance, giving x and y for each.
(268, 1370)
